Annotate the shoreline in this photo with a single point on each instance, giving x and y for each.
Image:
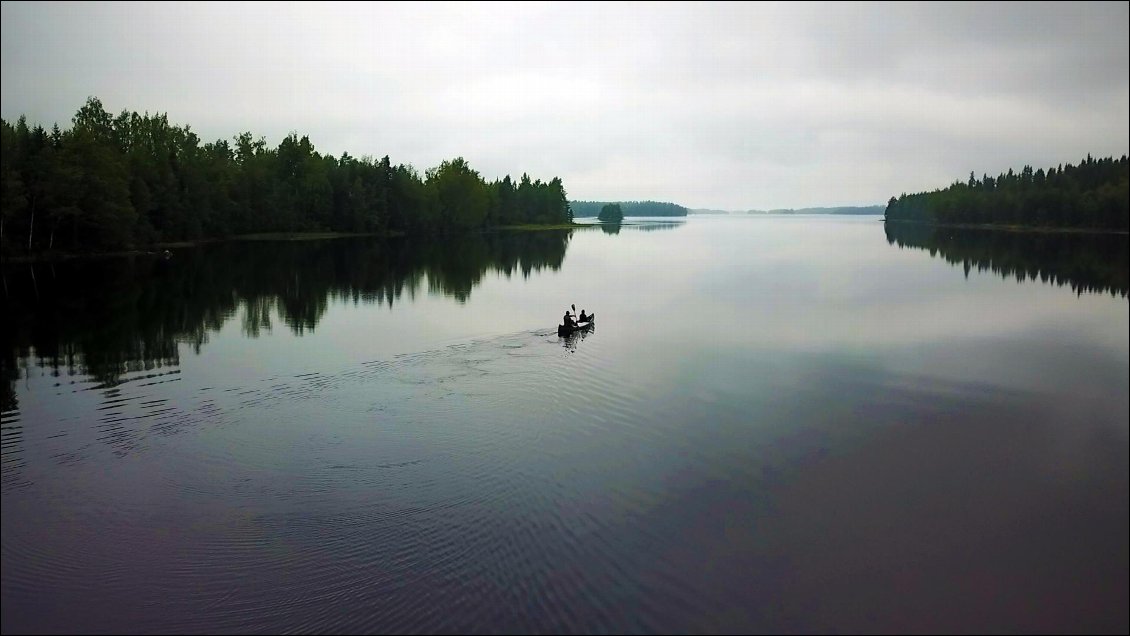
(157, 249)
(1011, 228)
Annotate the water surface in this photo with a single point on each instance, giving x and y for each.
(779, 424)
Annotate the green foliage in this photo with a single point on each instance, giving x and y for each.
(531, 202)
(1095, 194)
(611, 213)
(461, 196)
(111, 183)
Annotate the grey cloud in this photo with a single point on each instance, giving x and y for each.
(729, 105)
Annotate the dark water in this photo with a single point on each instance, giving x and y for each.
(779, 424)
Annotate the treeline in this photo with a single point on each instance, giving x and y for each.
(583, 209)
(1094, 195)
(866, 209)
(114, 182)
(1085, 262)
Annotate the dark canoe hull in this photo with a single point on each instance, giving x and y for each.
(563, 330)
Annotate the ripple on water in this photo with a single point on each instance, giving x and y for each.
(439, 501)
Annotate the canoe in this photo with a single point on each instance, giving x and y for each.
(565, 330)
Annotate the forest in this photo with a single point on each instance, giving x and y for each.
(120, 182)
(1092, 195)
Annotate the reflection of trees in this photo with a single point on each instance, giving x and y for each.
(570, 341)
(108, 317)
(9, 373)
(656, 225)
(646, 226)
(1097, 263)
(455, 268)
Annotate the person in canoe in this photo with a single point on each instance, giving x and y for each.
(568, 320)
(583, 317)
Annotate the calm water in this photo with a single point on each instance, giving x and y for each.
(779, 424)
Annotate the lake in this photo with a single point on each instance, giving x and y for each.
(778, 424)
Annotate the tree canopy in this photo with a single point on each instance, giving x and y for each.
(111, 182)
(611, 213)
(1094, 194)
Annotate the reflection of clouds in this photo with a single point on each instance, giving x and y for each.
(826, 284)
(818, 281)
(970, 480)
(998, 308)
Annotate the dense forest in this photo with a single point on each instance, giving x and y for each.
(110, 183)
(583, 209)
(1092, 195)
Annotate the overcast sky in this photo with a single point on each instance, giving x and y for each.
(731, 106)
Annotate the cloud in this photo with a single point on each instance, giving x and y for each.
(710, 105)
